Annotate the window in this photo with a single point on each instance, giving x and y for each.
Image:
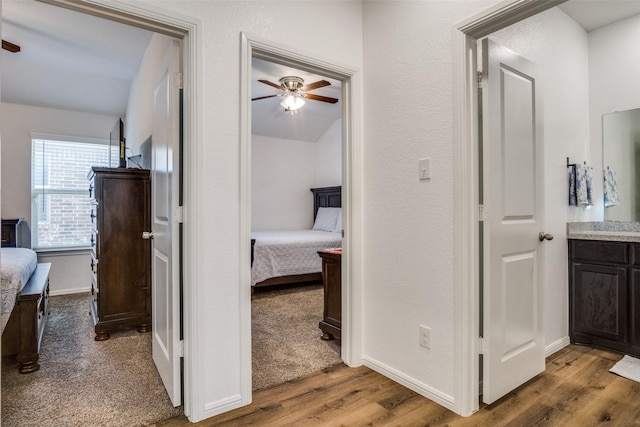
(60, 209)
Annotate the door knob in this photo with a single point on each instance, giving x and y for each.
(147, 235)
(544, 236)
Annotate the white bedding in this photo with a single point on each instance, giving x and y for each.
(284, 253)
(16, 266)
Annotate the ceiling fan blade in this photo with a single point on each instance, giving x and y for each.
(316, 85)
(320, 98)
(10, 46)
(264, 97)
(267, 82)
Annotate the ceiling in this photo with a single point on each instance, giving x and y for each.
(73, 61)
(80, 62)
(311, 121)
(592, 14)
(68, 60)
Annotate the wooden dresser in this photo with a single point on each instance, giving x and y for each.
(121, 258)
(331, 323)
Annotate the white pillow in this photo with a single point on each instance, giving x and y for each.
(339, 222)
(326, 219)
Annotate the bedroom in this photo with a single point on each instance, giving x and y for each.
(83, 111)
(71, 272)
(292, 153)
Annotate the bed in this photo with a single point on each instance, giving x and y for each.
(24, 298)
(283, 257)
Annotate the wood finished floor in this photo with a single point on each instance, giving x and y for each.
(576, 389)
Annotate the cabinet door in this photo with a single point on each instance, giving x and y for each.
(331, 275)
(599, 305)
(634, 314)
(123, 254)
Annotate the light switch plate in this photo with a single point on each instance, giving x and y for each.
(424, 169)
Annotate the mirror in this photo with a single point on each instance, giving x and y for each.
(621, 164)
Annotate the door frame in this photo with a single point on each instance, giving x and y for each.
(466, 187)
(252, 46)
(189, 31)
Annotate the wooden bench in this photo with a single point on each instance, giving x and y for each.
(23, 334)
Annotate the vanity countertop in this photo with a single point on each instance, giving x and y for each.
(605, 230)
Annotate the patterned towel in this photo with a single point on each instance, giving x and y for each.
(580, 185)
(573, 201)
(611, 194)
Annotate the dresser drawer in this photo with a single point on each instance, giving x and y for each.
(599, 251)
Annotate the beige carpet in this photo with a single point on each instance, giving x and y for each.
(114, 383)
(82, 382)
(286, 340)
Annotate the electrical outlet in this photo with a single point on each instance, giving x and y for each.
(425, 336)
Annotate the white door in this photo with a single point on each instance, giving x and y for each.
(513, 333)
(164, 204)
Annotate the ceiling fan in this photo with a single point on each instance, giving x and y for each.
(295, 91)
(13, 48)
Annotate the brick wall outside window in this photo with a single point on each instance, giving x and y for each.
(60, 191)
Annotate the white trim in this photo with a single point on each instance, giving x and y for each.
(223, 405)
(189, 29)
(69, 138)
(193, 171)
(466, 238)
(502, 15)
(147, 17)
(419, 387)
(72, 251)
(466, 270)
(556, 346)
(252, 46)
(246, 385)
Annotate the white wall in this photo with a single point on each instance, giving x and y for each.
(614, 83)
(139, 120)
(329, 157)
(217, 208)
(407, 223)
(69, 273)
(282, 172)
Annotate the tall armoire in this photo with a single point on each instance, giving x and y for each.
(121, 258)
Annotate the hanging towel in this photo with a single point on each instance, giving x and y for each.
(583, 189)
(611, 195)
(573, 201)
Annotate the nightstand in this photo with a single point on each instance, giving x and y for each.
(331, 323)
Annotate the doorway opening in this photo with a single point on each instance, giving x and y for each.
(272, 56)
(467, 167)
(160, 24)
(296, 170)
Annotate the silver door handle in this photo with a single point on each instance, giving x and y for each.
(147, 235)
(544, 236)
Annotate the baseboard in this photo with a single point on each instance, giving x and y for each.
(417, 386)
(556, 346)
(69, 291)
(223, 405)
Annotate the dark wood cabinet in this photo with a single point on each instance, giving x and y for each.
(604, 283)
(331, 323)
(121, 258)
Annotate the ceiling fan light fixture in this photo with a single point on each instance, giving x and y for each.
(292, 102)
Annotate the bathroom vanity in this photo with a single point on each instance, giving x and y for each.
(604, 285)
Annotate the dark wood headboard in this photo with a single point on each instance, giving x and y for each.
(14, 233)
(326, 197)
